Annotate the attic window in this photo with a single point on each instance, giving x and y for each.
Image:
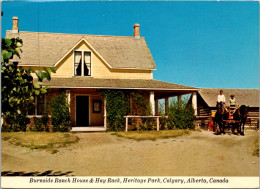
(79, 68)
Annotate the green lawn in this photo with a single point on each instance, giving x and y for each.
(40, 140)
(152, 135)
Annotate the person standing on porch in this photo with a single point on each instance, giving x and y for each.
(221, 97)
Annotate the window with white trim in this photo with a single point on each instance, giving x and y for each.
(82, 63)
(38, 107)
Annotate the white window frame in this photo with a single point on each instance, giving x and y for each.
(82, 62)
(35, 107)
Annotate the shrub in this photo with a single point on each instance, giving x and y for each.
(15, 123)
(38, 125)
(117, 106)
(139, 105)
(147, 124)
(180, 115)
(120, 103)
(163, 119)
(45, 120)
(61, 117)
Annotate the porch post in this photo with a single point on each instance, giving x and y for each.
(105, 114)
(194, 102)
(166, 105)
(156, 106)
(179, 98)
(68, 97)
(152, 101)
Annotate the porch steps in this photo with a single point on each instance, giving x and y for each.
(88, 129)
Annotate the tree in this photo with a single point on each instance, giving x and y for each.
(18, 86)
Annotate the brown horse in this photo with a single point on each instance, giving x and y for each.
(241, 116)
(220, 116)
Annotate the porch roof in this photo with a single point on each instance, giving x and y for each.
(144, 84)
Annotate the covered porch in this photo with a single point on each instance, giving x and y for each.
(88, 106)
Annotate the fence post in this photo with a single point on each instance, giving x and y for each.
(126, 123)
(158, 123)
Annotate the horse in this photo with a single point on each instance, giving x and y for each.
(241, 115)
(220, 116)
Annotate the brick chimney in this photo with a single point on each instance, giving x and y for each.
(15, 24)
(136, 31)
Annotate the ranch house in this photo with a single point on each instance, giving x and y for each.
(86, 64)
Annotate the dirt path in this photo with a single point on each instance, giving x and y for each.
(102, 154)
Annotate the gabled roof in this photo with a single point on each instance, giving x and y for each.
(46, 49)
(248, 97)
(82, 40)
(88, 82)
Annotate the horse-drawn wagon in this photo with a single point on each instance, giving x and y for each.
(224, 118)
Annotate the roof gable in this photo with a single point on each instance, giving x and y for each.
(89, 45)
(46, 49)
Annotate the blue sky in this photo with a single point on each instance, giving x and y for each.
(203, 44)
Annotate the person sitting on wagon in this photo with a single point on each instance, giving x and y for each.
(232, 103)
(221, 98)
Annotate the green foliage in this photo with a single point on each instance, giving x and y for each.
(41, 123)
(147, 124)
(38, 125)
(117, 106)
(15, 123)
(10, 47)
(18, 88)
(45, 120)
(120, 103)
(139, 105)
(61, 117)
(180, 115)
(163, 119)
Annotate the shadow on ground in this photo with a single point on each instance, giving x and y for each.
(36, 173)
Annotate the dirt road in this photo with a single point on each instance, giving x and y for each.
(102, 154)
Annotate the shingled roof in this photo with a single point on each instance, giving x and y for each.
(248, 97)
(87, 82)
(46, 49)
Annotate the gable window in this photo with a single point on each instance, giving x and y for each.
(38, 107)
(82, 63)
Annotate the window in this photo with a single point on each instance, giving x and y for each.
(96, 106)
(82, 69)
(38, 107)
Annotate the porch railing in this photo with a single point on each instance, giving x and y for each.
(132, 116)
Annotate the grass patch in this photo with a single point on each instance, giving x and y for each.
(256, 148)
(198, 129)
(152, 135)
(40, 140)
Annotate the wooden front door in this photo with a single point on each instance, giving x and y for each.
(82, 111)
